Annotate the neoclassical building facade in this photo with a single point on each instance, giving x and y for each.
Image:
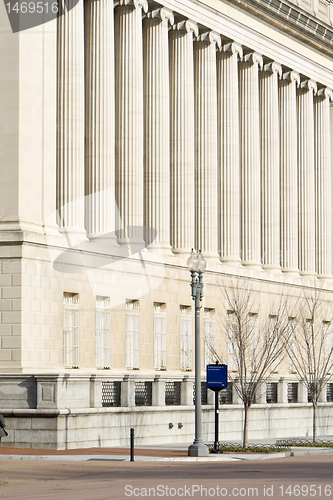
(131, 132)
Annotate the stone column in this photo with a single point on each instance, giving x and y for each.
(186, 391)
(157, 126)
(282, 391)
(323, 183)
(158, 391)
(306, 178)
(182, 135)
(288, 172)
(250, 158)
(99, 146)
(228, 152)
(270, 165)
(129, 119)
(206, 190)
(70, 116)
(127, 393)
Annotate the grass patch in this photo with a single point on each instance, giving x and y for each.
(305, 443)
(236, 448)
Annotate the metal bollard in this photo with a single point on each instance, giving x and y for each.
(132, 444)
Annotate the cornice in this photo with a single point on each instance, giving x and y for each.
(292, 19)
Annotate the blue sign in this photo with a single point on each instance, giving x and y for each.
(216, 377)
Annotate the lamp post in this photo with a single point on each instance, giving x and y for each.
(197, 265)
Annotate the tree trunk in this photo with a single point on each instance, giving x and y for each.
(314, 422)
(246, 422)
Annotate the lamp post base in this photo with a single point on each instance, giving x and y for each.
(198, 450)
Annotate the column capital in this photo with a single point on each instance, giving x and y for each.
(132, 3)
(234, 48)
(254, 58)
(164, 14)
(292, 76)
(309, 85)
(187, 26)
(211, 37)
(326, 93)
(273, 67)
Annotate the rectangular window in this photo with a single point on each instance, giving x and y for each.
(71, 314)
(209, 336)
(185, 328)
(103, 332)
(159, 336)
(132, 334)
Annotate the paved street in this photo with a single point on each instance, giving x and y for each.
(98, 479)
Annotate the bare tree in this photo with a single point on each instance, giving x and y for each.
(311, 352)
(255, 344)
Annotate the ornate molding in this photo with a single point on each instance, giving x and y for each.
(254, 58)
(234, 48)
(292, 76)
(132, 3)
(187, 26)
(326, 93)
(273, 67)
(211, 37)
(291, 18)
(164, 14)
(309, 85)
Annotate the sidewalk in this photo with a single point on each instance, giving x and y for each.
(163, 452)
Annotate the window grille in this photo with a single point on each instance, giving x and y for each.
(203, 393)
(225, 396)
(111, 393)
(102, 332)
(185, 327)
(71, 315)
(209, 336)
(329, 393)
(132, 334)
(271, 392)
(172, 393)
(159, 336)
(143, 393)
(292, 392)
